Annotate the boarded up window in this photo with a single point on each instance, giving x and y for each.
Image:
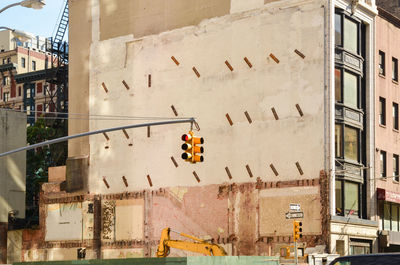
(64, 222)
(129, 219)
(13, 90)
(39, 88)
(39, 109)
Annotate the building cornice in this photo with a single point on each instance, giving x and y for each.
(389, 17)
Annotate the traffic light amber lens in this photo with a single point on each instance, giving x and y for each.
(300, 223)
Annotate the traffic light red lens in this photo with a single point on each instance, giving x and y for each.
(185, 137)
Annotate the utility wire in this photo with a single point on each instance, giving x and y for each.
(100, 115)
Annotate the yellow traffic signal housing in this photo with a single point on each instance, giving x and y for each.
(191, 148)
(297, 230)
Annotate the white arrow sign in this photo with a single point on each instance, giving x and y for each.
(294, 215)
(294, 207)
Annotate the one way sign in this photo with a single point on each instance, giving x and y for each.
(294, 215)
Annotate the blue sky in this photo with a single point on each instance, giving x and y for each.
(38, 22)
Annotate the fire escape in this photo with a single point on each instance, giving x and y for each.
(57, 73)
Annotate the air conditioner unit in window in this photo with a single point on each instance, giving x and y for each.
(381, 71)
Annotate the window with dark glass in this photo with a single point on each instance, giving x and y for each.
(382, 164)
(33, 65)
(395, 167)
(23, 62)
(382, 111)
(381, 63)
(395, 72)
(395, 116)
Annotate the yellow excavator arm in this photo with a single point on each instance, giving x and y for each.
(200, 246)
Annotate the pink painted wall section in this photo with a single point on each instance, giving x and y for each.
(388, 41)
(195, 211)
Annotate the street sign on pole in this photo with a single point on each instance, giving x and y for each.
(295, 207)
(294, 215)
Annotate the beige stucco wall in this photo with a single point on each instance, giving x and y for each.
(12, 167)
(252, 34)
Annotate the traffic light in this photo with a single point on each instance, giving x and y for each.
(191, 148)
(297, 230)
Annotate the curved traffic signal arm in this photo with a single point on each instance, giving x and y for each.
(191, 148)
(297, 230)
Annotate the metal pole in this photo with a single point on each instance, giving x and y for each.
(295, 252)
(65, 138)
(7, 7)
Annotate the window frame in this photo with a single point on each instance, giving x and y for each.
(344, 15)
(381, 66)
(343, 100)
(395, 167)
(395, 116)
(395, 69)
(342, 143)
(383, 164)
(340, 209)
(382, 111)
(382, 215)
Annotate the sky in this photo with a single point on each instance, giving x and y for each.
(38, 22)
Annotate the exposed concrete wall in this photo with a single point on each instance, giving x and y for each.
(142, 17)
(218, 91)
(12, 167)
(231, 211)
(78, 92)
